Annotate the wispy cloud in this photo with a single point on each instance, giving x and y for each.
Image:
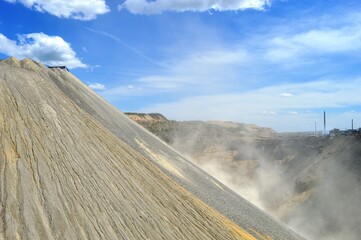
(129, 47)
(97, 86)
(246, 63)
(199, 72)
(315, 42)
(75, 9)
(159, 6)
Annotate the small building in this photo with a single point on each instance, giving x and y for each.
(335, 132)
(60, 67)
(347, 132)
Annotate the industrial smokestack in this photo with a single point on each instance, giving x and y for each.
(352, 124)
(324, 122)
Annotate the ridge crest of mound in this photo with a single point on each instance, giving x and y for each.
(12, 61)
(26, 63)
(31, 65)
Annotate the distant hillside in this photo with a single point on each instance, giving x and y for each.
(216, 131)
(146, 117)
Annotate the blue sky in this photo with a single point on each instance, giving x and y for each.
(276, 63)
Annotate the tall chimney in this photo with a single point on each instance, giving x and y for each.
(324, 122)
(352, 124)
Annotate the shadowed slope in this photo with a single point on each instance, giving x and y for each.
(73, 166)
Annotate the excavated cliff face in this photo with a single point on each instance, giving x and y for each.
(74, 167)
(146, 117)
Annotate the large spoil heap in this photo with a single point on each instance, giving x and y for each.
(74, 167)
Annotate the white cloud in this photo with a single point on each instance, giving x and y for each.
(75, 9)
(269, 113)
(50, 50)
(97, 86)
(92, 68)
(292, 112)
(159, 6)
(122, 92)
(286, 94)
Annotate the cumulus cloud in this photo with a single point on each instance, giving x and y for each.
(75, 9)
(50, 50)
(159, 6)
(97, 86)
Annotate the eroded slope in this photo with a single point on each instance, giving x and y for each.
(65, 176)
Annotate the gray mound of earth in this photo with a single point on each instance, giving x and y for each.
(75, 167)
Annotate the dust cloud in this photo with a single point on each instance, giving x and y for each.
(334, 210)
(310, 184)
